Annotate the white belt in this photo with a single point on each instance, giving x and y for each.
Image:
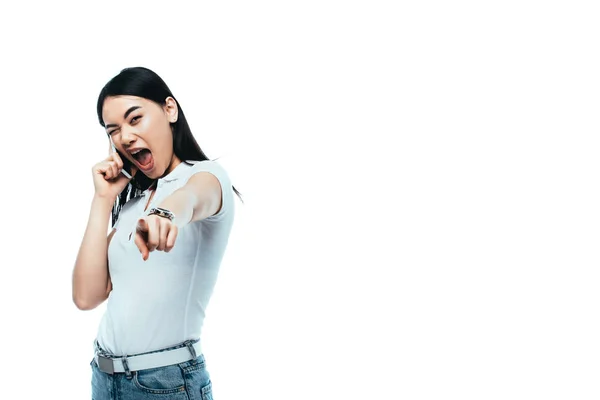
(146, 361)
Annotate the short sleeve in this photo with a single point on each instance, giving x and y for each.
(219, 172)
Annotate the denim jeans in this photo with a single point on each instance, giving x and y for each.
(188, 380)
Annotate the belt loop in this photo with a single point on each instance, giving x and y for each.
(190, 347)
(126, 367)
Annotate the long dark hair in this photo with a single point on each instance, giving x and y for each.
(142, 82)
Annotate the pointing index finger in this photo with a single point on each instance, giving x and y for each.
(141, 245)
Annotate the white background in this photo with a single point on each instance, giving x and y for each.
(420, 184)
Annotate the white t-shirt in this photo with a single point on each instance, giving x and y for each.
(161, 302)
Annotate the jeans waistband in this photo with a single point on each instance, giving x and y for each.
(111, 364)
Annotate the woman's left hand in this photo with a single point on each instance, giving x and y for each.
(154, 233)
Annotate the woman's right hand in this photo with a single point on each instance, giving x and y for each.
(109, 182)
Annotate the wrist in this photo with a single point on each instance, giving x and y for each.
(103, 201)
(162, 212)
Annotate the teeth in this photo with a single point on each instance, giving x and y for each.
(135, 152)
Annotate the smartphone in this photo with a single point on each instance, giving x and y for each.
(126, 163)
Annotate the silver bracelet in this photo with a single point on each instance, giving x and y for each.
(162, 212)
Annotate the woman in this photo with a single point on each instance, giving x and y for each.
(158, 267)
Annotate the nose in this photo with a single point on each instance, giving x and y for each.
(127, 136)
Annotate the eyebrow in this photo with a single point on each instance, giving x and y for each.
(129, 111)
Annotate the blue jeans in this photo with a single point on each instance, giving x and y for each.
(188, 380)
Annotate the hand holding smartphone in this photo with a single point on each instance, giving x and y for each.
(126, 170)
(112, 174)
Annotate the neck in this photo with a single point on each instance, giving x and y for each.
(175, 161)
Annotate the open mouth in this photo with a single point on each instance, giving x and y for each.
(143, 157)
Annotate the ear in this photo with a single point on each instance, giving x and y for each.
(171, 109)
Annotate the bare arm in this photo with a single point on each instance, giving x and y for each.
(198, 199)
(91, 280)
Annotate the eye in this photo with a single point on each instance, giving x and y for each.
(111, 132)
(135, 119)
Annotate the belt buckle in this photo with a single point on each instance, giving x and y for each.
(106, 365)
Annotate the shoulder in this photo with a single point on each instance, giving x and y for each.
(211, 167)
(130, 203)
(135, 198)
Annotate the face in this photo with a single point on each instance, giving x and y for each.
(140, 130)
